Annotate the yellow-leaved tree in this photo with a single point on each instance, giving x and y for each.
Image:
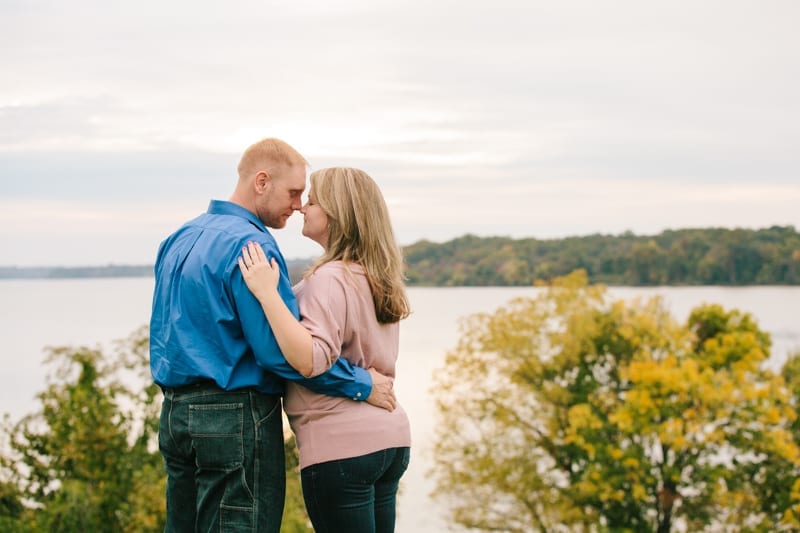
(568, 411)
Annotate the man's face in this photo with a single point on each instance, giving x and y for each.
(283, 196)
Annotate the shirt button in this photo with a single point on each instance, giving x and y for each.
(358, 395)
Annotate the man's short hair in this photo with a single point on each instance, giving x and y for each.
(267, 154)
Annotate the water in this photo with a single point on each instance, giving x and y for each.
(94, 312)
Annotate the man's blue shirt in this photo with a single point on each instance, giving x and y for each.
(207, 325)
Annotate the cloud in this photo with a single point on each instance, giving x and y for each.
(518, 117)
(144, 176)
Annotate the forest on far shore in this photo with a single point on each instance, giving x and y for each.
(702, 256)
(705, 256)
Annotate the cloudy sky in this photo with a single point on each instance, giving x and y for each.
(530, 118)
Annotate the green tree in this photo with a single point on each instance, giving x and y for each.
(791, 374)
(568, 411)
(88, 459)
(647, 264)
(11, 508)
(295, 519)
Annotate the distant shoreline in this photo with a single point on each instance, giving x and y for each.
(296, 269)
(106, 271)
(688, 257)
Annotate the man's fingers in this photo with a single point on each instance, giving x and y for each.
(390, 404)
(391, 400)
(382, 391)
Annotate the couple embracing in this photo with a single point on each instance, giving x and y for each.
(230, 337)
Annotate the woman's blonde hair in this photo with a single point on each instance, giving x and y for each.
(359, 231)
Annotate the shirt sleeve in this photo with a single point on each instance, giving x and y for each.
(323, 312)
(342, 379)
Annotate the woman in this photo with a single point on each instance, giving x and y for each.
(352, 454)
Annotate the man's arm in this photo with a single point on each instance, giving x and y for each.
(343, 379)
(382, 388)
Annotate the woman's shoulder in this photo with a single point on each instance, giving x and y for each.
(337, 269)
(336, 275)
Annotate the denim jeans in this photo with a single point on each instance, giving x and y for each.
(357, 495)
(223, 452)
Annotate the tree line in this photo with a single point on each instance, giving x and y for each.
(710, 256)
(705, 256)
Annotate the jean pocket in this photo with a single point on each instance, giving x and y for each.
(217, 433)
(236, 519)
(364, 469)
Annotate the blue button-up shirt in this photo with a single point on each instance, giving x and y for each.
(207, 325)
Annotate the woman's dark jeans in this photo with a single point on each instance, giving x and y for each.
(357, 494)
(223, 451)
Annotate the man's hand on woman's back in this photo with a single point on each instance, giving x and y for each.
(382, 394)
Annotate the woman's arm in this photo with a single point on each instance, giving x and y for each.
(262, 277)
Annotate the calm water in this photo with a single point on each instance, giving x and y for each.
(93, 312)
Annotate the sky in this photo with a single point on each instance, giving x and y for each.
(121, 120)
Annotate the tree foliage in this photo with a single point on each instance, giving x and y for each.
(87, 460)
(709, 256)
(569, 412)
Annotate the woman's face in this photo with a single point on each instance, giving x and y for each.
(315, 221)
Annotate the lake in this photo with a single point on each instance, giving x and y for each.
(94, 312)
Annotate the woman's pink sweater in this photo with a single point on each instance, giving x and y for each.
(336, 307)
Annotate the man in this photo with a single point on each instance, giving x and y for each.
(216, 358)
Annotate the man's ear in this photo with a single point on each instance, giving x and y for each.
(262, 181)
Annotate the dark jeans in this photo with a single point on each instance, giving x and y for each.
(223, 451)
(357, 494)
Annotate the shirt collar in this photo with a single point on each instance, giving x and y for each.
(222, 207)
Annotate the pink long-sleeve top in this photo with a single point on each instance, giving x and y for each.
(336, 307)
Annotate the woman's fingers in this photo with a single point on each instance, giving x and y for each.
(260, 252)
(253, 254)
(254, 248)
(246, 256)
